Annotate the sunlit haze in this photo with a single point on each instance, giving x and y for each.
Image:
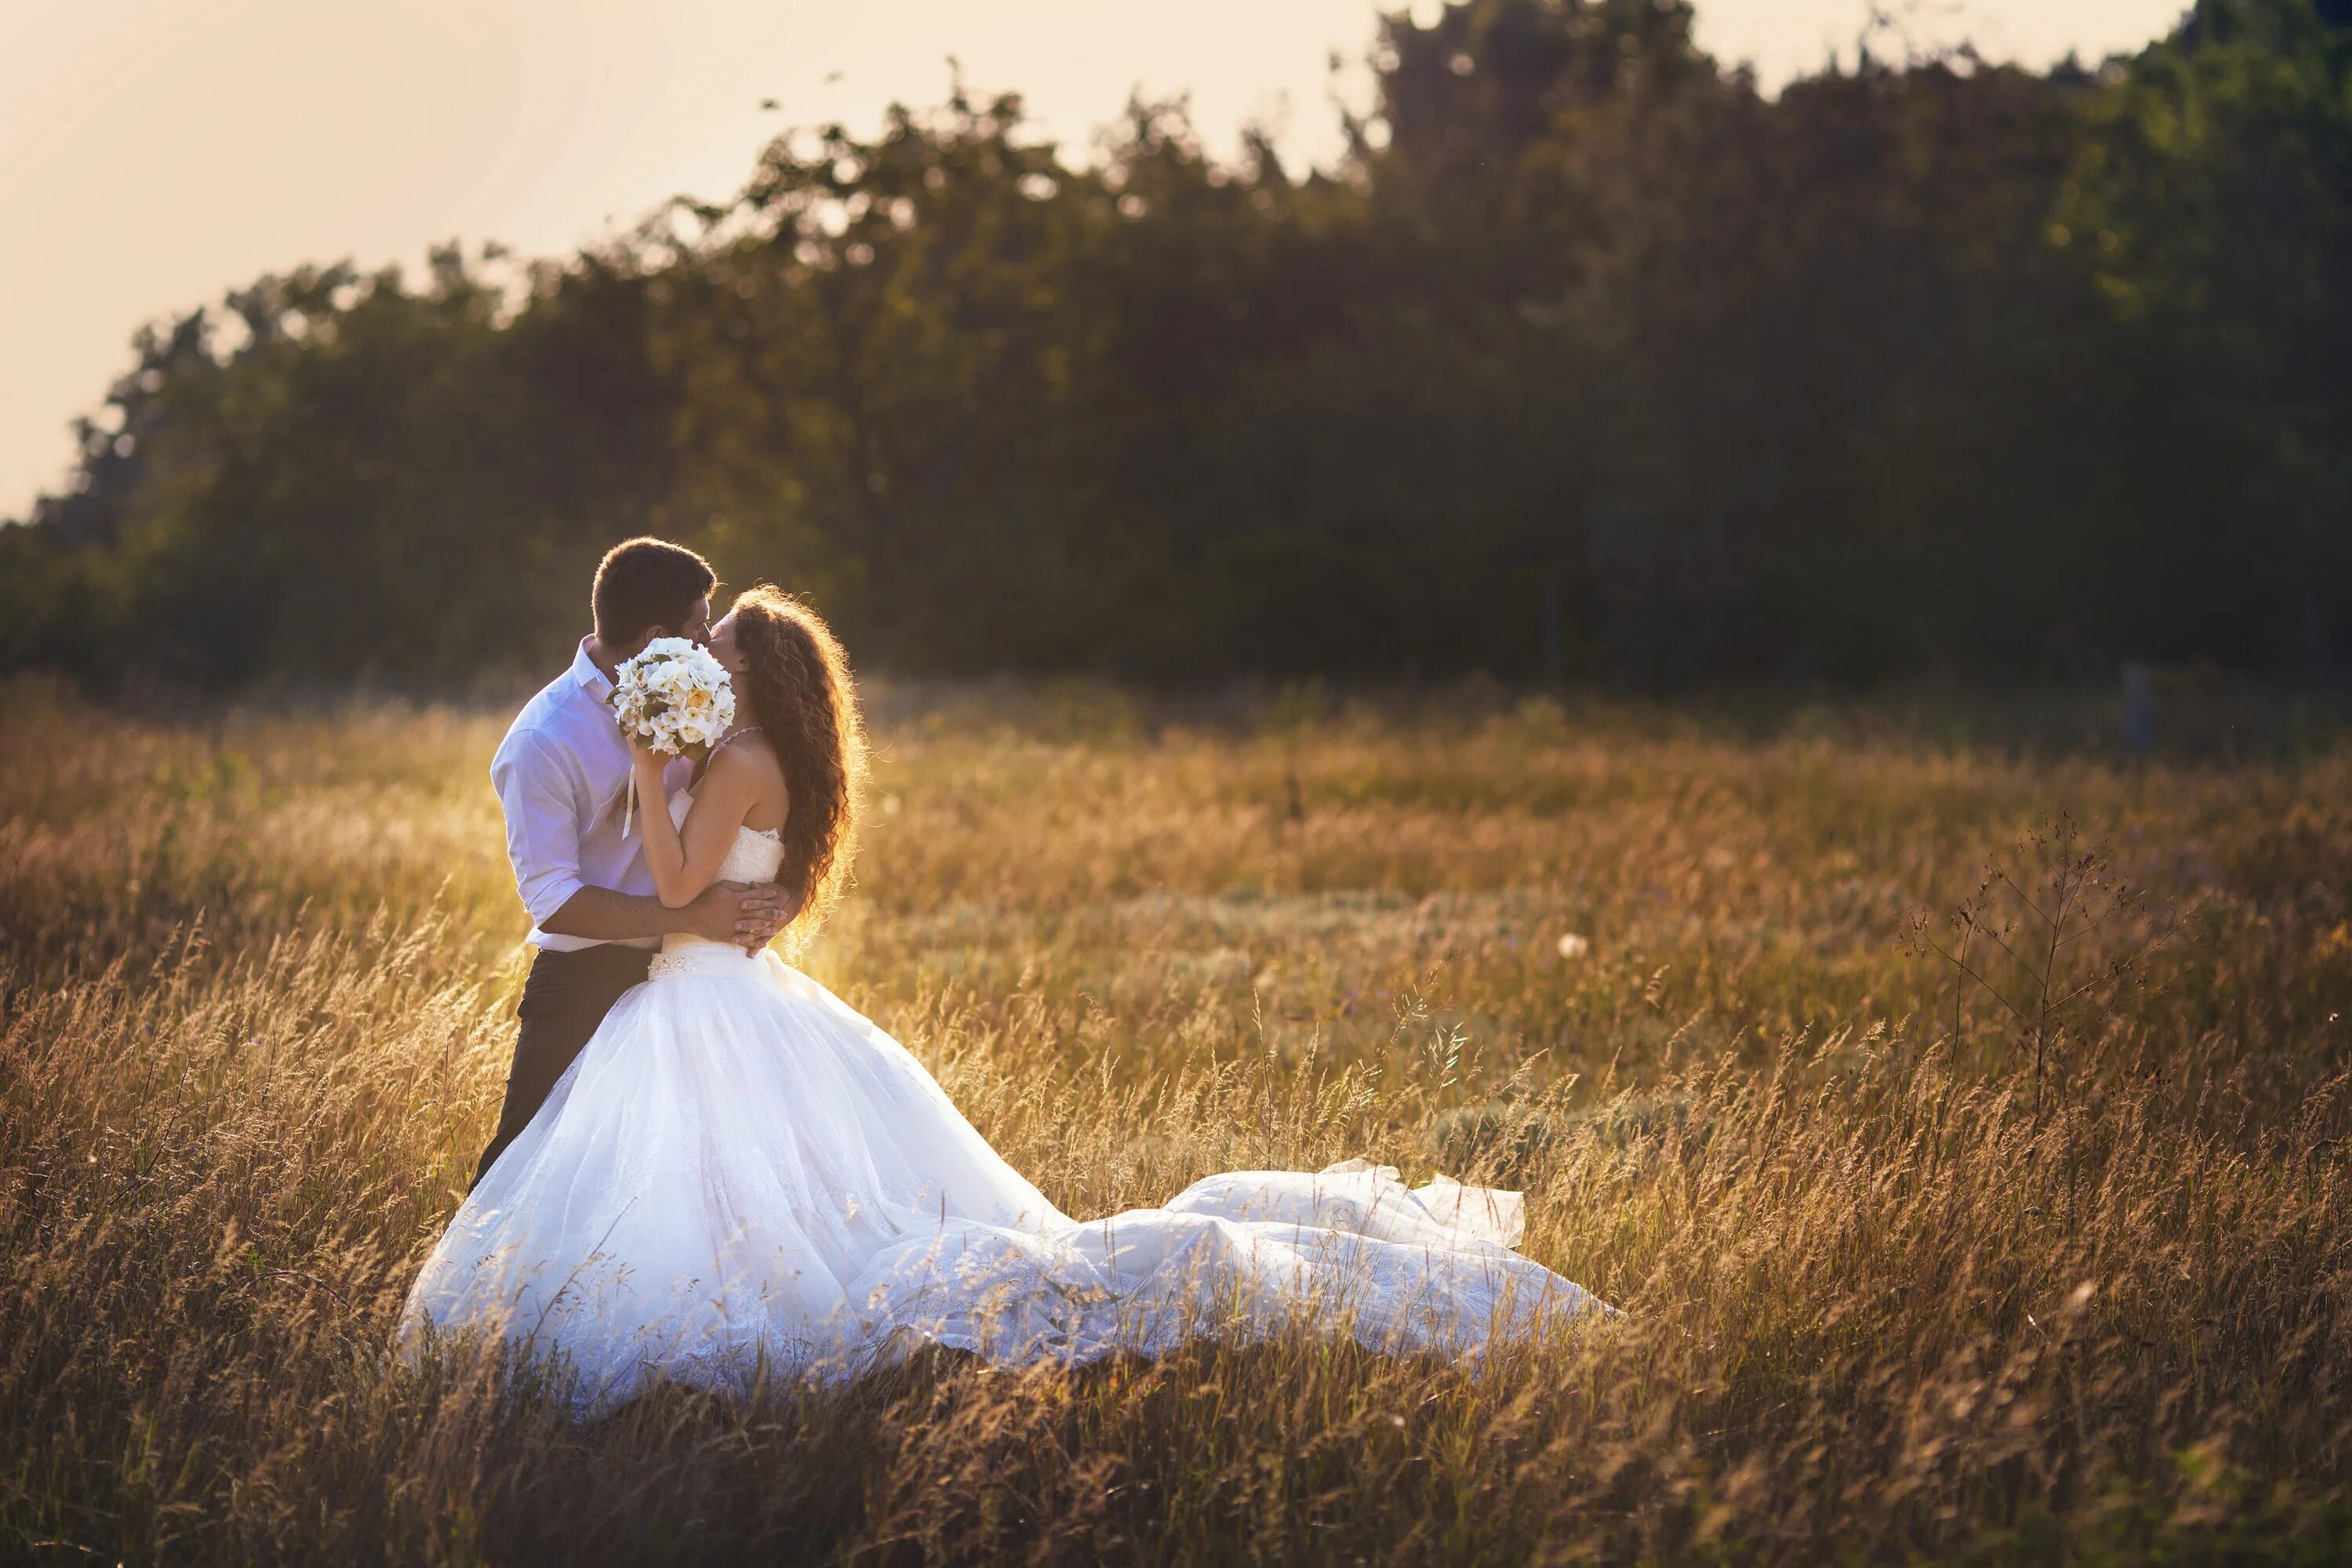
(153, 153)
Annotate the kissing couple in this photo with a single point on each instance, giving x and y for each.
(708, 1168)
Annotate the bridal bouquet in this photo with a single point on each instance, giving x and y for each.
(673, 698)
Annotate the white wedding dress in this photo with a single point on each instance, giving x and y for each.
(740, 1169)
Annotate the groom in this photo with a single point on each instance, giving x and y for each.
(561, 775)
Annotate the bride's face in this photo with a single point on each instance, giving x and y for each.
(723, 646)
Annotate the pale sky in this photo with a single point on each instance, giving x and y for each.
(155, 153)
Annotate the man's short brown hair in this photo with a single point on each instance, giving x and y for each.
(646, 583)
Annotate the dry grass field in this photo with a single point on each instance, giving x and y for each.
(1889, 1291)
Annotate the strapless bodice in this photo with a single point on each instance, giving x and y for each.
(754, 857)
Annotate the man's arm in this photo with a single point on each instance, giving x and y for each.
(544, 843)
(747, 915)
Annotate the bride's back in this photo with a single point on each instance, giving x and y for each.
(746, 764)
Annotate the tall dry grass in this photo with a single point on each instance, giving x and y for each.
(255, 978)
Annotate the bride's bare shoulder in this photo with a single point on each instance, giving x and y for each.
(746, 761)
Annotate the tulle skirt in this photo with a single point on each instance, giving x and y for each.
(742, 1172)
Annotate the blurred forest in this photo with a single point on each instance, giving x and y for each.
(1591, 361)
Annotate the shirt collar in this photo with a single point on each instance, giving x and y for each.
(592, 680)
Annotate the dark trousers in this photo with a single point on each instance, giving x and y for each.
(565, 998)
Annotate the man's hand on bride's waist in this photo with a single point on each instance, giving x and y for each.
(744, 914)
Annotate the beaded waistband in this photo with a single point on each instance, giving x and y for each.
(693, 956)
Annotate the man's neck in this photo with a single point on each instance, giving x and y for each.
(602, 657)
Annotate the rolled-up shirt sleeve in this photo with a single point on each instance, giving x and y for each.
(543, 833)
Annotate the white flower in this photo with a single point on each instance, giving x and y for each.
(674, 696)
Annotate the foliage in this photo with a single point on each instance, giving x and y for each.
(1589, 359)
(257, 973)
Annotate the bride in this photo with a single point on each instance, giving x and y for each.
(739, 1170)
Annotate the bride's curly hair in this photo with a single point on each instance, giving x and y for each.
(802, 697)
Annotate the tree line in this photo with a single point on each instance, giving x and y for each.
(1589, 361)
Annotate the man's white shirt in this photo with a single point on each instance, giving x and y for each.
(561, 774)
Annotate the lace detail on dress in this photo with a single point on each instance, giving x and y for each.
(667, 964)
(755, 856)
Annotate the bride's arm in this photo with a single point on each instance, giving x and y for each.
(684, 861)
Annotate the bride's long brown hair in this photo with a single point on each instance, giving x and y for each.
(801, 696)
